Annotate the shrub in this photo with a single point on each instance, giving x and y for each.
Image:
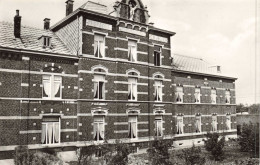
(159, 152)
(120, 157)
(215, 146)
(22, 155)
(192, 156)
(247, 162)
(249, 139)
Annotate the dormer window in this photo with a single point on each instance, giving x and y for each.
(46, 41)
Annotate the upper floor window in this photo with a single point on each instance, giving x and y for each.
(132, 51)
(213, 96)
(214, 123)
(157, 55)
(99, 86)
(227, 97)
(50, 130)
(132, 88)
(158, 126)
(158, 90)
(179, 94)
(198, 123)
(99, 46)
(132, 127)
(197, 95)
(52, 86)
(99, 128)
(180, 125)
(228, 122)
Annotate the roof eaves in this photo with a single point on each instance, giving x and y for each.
(162, 30)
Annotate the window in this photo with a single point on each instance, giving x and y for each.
(179, 94)
(214, 123)
(198, 123)
(99, 128)
(157, 55)
(228, 122)
(132, 89)
(99, 87)
(158, 126)
(99, 46)
(158, 90)
(180, 125)
(46, 41)
(227, 97)
(213, 96)
(132, 127)
(132, 50)
(197, 95)
(51, 86)
(50, 130)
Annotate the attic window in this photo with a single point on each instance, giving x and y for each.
(46, 41)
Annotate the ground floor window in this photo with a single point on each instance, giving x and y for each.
(214, 123)
(50, 130)
(99, 128)
(198, 123)
(132, 127)
(158, 126)
(228, 122)
(180, 125)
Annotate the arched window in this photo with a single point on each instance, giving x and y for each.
(52, 82)
(99, 82)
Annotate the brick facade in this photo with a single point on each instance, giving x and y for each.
(22, 106)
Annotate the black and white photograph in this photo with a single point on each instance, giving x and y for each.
(129, 82)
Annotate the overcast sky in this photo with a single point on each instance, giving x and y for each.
(220, 31)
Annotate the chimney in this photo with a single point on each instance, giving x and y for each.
(69, 7)
(17, 25)
(46, 24)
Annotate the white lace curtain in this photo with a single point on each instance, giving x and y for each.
(132, 88)
(99, 45)
(198, 124)
(228, 122)
(227, 97)
(99, 86)
(158, 126)
(197, 95)
(132, 124)
(50, 132)
(158, 90)
(213, 96)
(214, 123)
(51, 86)
(180, 125)
(99, 128)
(132, 50)
(179, 94)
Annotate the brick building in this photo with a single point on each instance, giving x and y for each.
(98, 75)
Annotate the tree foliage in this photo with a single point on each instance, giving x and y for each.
(159, 152)
(215, 146)
(249, 139)
(192, 156)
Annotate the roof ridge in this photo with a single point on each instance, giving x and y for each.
(199, 58)
(26, 26)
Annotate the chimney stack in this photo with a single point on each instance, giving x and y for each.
(17, 25)
(219, 69)
(46, 24)
(69, 7)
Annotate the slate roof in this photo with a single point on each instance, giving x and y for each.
(193, 64)
(30, 39)
(93, 6)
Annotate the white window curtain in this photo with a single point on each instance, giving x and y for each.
(132, 127)
(179, 94)
(99, 46)
(158, 126)
(228, 122)
(198, 124)
(227, 97)
(213, 96)
(197, 95)
(158, 90)
(51, 131)
(99, 87)
(132, 50)
(52, 86)
(132, 89)
(180, 125)
(214, 123)
(46, 86)
(99, 128)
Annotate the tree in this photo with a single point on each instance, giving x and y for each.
(249, 139)
(22, 155)
(120, 157)
(159, 152)
(241, 108)
(215, 146)
(192, 156)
